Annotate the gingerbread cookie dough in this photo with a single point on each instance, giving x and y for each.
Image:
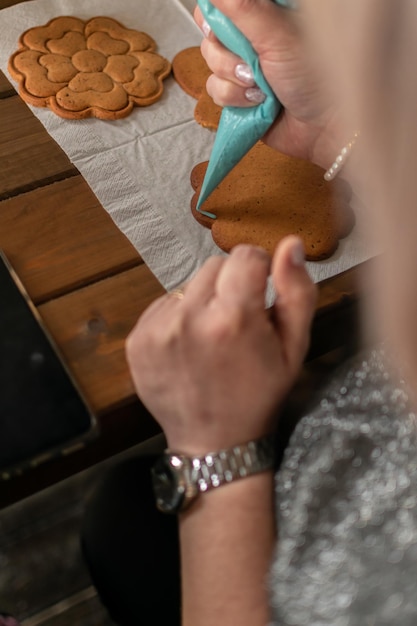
(268, 196)
(95, 68)
(191, 73)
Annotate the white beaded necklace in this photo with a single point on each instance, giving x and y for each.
(341, 159)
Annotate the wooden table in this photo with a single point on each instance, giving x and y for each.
(90, 285)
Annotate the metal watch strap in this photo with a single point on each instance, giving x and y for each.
(225, 466)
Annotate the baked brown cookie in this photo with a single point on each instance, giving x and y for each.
(268, 196)
(95, 68)
(191, 73)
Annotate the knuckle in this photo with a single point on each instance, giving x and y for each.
(214, 262)
(205, 50)
(157, 334)
(211, 86)
(171, 334)
(249, 253)
(214, 57)
(226, 326)
(224, 92)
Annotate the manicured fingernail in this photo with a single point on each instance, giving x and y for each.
(298, 257)
(205, 27)
(254, 94)
(244, 73)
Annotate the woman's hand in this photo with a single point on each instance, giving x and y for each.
(309, 127)
(213, 367)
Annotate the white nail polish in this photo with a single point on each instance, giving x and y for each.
(254, 94)
(205, 27)
(244, 73)
(298, 258)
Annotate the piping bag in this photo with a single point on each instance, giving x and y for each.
(239, 128)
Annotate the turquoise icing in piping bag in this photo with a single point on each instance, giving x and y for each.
(239, 128)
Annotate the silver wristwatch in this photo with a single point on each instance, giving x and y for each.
(178, 479)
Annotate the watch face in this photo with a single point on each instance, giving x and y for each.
(169, 489)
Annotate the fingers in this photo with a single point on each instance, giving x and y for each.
(225, 93)
(238, 280)
(202, 24)
(202, 287)
(225, 64)
(196, 293)
(241, 282)
(232, 83)
(297, 295)
(259, 20)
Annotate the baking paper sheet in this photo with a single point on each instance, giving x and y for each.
(139, 167)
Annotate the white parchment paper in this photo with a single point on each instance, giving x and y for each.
(139, 167)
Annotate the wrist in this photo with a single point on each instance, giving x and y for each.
(180, 480)
(196, 449)
(199, 442)
(240, 494)
(328, 143)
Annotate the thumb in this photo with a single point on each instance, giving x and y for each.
(296, 299)
(259, 20)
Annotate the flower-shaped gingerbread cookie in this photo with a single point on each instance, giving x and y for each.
(82, 69)
(269, 195)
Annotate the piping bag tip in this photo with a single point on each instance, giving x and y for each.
(239, 128)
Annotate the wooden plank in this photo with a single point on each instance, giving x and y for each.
(28, 155)
(59, 238)
(6, 88)
(341, 288)
(8, 3)
(83, 607)
(90, 327)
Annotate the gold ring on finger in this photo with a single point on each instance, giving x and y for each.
(178, 293)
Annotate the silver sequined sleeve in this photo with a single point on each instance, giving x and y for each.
(346, 498)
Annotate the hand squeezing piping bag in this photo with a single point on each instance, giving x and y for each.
(239, 128)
